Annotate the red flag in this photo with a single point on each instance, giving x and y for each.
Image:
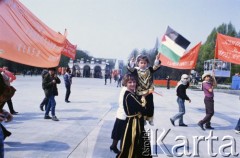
(25, 39)
(227, 49)
(69, 50)
(188, 61)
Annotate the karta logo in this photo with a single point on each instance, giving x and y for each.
(188, 146)
(1, 51)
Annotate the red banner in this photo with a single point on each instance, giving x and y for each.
(69, 50)
(188, 61)
(227, 49)
(25, 39)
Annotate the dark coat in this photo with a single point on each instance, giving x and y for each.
(181, 91)
(49, 87)
(2, 84)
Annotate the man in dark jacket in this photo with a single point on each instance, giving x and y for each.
(49, 85)
(183, 84)
(45, 100)
(68, 82)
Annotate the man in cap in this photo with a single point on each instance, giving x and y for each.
(209, 82)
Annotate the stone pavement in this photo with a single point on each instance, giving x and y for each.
(84, 129)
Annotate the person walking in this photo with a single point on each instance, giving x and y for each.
(120, 123)
(4, 117)
(68, 82)
(209, 82)
(133, 144)
(45, 99)
(49, 85)
(119, 80)
(7, 81)
(237, 128)
(182, 85)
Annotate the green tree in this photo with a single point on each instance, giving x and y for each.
(207, 50)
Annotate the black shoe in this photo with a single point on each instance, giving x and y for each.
(201, 125)
(172, 122)
(41, 107)
(47, 117)
(114, 149)
(67, 101)
(14, 113)
(6, 134)
(209, 127)
(183, 125)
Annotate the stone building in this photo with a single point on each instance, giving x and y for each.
(90, 69)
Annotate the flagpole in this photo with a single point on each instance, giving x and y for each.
(213, 67)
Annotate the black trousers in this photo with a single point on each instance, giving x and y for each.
(10, 106)
(209, 107)
(5, 131)
(44, 102)
(149, 105)
(68, 92)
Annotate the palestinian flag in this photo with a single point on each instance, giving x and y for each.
(173, 45)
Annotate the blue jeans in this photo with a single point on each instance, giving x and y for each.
(1, 144)
(51, 105)
(181, 105)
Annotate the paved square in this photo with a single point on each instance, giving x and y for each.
(85, 126)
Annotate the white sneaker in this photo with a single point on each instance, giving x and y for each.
(237, 132)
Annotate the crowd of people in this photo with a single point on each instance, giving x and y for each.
(136, 106)
(49, 85)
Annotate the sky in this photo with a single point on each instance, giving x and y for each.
(114, 28)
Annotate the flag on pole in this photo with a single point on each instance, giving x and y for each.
(173, 45)
(227, 49)
(187, 61)
(69, 50)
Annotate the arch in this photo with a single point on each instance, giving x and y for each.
(76, 71)
(97, 72)
(86, 71)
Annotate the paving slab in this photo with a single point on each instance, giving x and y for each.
(85, 126)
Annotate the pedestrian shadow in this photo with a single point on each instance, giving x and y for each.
(81, 118)
(220, 116)
(70, 110)
(27, 116)
(44, 146)
(73, 102)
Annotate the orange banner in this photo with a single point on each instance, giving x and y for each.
(227, 49)
(27, 40)
(69, 50)
(188, 61)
